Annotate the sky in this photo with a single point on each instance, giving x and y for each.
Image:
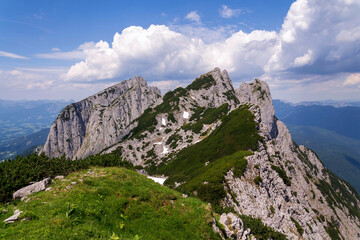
(305, 49)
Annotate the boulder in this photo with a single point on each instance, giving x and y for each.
(14, 217)
(33, 188)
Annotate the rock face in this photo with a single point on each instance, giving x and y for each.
(294, 195)
(99, 121)
(211, 90)
(33, 188)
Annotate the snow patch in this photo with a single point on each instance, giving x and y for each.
(165, 150)
(157, 179)
(163, 122)
(186, 115)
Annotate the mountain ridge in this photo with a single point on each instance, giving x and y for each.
(284, 184)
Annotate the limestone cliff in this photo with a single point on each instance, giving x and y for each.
(89, 126)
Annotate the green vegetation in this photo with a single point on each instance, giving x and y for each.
(205, 81)
(147, 121)
(173, 140)
(298, 226)
(109, 203)
(333, 231)
(257, 180)
(282, 174)
(19, 172)
(272, 209)
(208, 116)
(208, 180)
(260, 230)
(338, 195)
(224, 149)
(230, 95)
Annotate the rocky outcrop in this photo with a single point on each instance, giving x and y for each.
(294, 193)
(258, 94)
(33, 188)
(99, 121)
(166, 136)
(234, 227)
(14, 217)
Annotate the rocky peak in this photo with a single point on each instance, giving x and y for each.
(258, 94)
(101, 120)
(213, 89)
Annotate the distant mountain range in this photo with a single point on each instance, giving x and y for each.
(24, 118)
(332, 132)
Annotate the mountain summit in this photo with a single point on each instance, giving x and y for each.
(222, 145)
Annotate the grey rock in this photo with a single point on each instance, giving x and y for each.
(234, 227)
(99, 121)
(219, 92)
(14, 217)
(33, 188)
(258, 94)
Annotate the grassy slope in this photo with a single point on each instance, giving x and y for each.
(339, 153)
(109, 202)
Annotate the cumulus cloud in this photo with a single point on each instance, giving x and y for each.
(227, 12)
(193, 16)
(11, 55)
(160, 53)
(319, 37)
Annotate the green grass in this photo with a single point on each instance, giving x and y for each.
(109, 202)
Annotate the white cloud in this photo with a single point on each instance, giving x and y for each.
(303, 60)
(73, 55)
(352, 79)
(11, 55)
(227, 12)
(193, 16)
(77, 54)
(319, 37)
(159, 53)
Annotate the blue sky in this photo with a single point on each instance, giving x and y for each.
(70, 49)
